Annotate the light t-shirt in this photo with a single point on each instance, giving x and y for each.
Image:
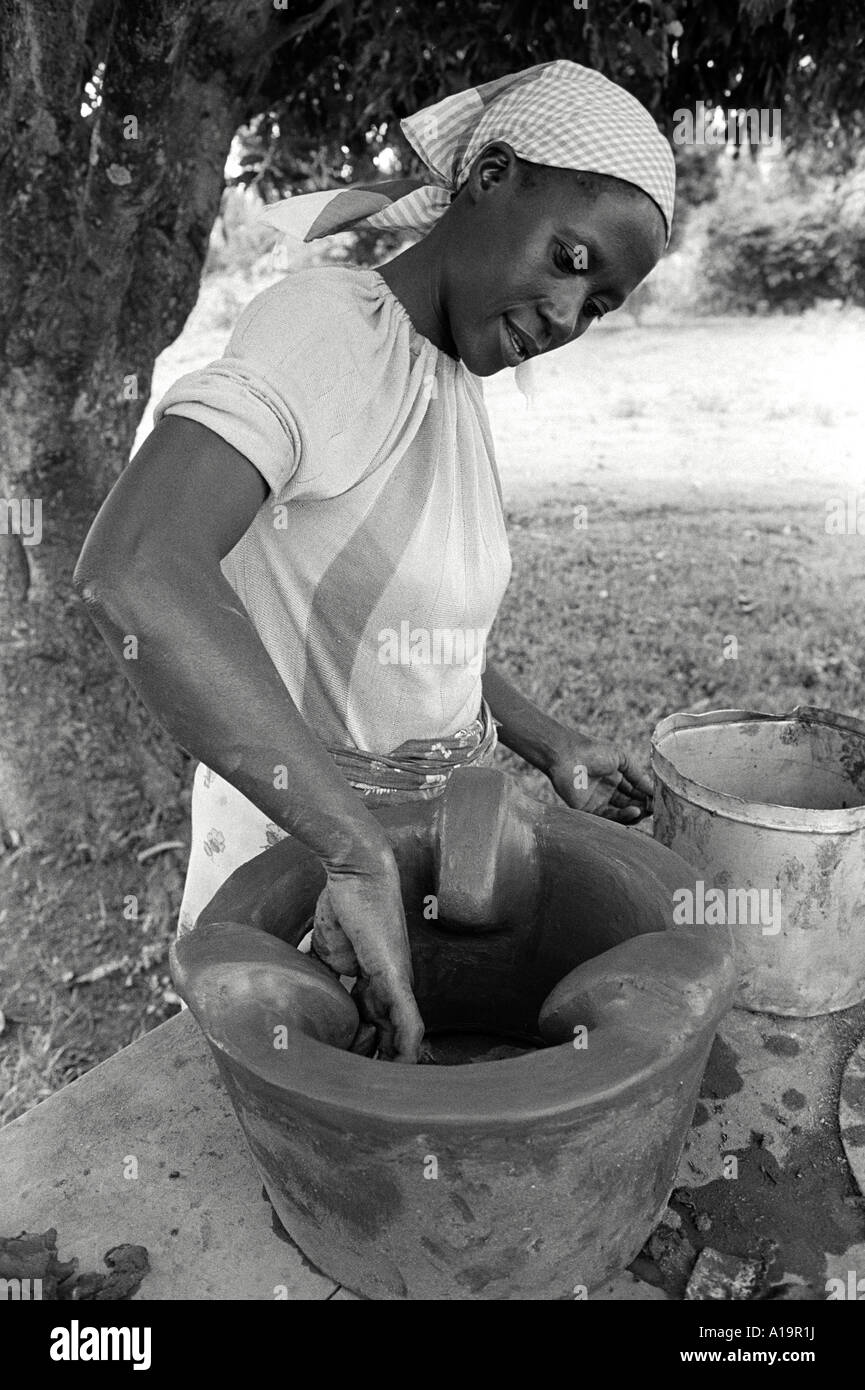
(376, 565)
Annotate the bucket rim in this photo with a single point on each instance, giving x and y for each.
(771, 815)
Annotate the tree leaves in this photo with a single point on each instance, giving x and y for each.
(342, 67)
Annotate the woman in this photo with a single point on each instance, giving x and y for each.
(310, 545)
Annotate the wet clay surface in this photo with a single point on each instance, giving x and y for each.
(458, 1049)
(33, 1256)
(764, 1177)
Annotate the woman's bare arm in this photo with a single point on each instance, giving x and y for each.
(150, 570)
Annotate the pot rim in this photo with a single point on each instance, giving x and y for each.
(553, 1081)
(474, 1094)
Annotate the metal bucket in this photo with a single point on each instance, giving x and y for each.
(770, 810)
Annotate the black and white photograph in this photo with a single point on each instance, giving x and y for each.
(432, 737)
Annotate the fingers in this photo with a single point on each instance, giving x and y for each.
(329, 941)
(372, 946)
(365, 1039)
(628, 815)
(633, 798)
(635, 779)
(395, 1017)
(628, 805)
(408, 1031)
(623, 797)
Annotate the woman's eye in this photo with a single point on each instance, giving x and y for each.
(565, 260)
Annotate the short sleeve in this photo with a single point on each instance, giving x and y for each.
(257, 397)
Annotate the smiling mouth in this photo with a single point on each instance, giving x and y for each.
(518, 344)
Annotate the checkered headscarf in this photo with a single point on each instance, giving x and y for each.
(557, 113)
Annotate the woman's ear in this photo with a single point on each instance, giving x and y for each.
(495, 167)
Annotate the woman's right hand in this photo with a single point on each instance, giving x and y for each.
(359, 929)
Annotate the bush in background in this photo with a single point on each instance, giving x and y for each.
(782, 243)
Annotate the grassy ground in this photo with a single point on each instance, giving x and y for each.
(704, 455)
(668, 491)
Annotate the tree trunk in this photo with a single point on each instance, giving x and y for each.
(104, 224)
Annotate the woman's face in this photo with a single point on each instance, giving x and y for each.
(517, 281)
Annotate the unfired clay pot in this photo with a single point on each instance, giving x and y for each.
(534, 1177)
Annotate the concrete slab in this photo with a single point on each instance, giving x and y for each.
(764, 1174)
(627, 1288)
(146, 1149)
(772, 1076)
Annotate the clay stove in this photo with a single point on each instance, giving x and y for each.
(528, 1177)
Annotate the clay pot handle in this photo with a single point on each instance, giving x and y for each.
(659, 987)
(485, 852)
(251, 992)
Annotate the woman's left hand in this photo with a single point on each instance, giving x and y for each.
(601, 779)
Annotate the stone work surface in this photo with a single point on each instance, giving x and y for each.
(145, 1149)
(764, 1176)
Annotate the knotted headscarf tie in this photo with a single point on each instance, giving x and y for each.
(559, 113)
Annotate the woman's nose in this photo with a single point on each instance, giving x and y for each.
(564, 315)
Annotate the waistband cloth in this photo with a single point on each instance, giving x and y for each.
(228, 830)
